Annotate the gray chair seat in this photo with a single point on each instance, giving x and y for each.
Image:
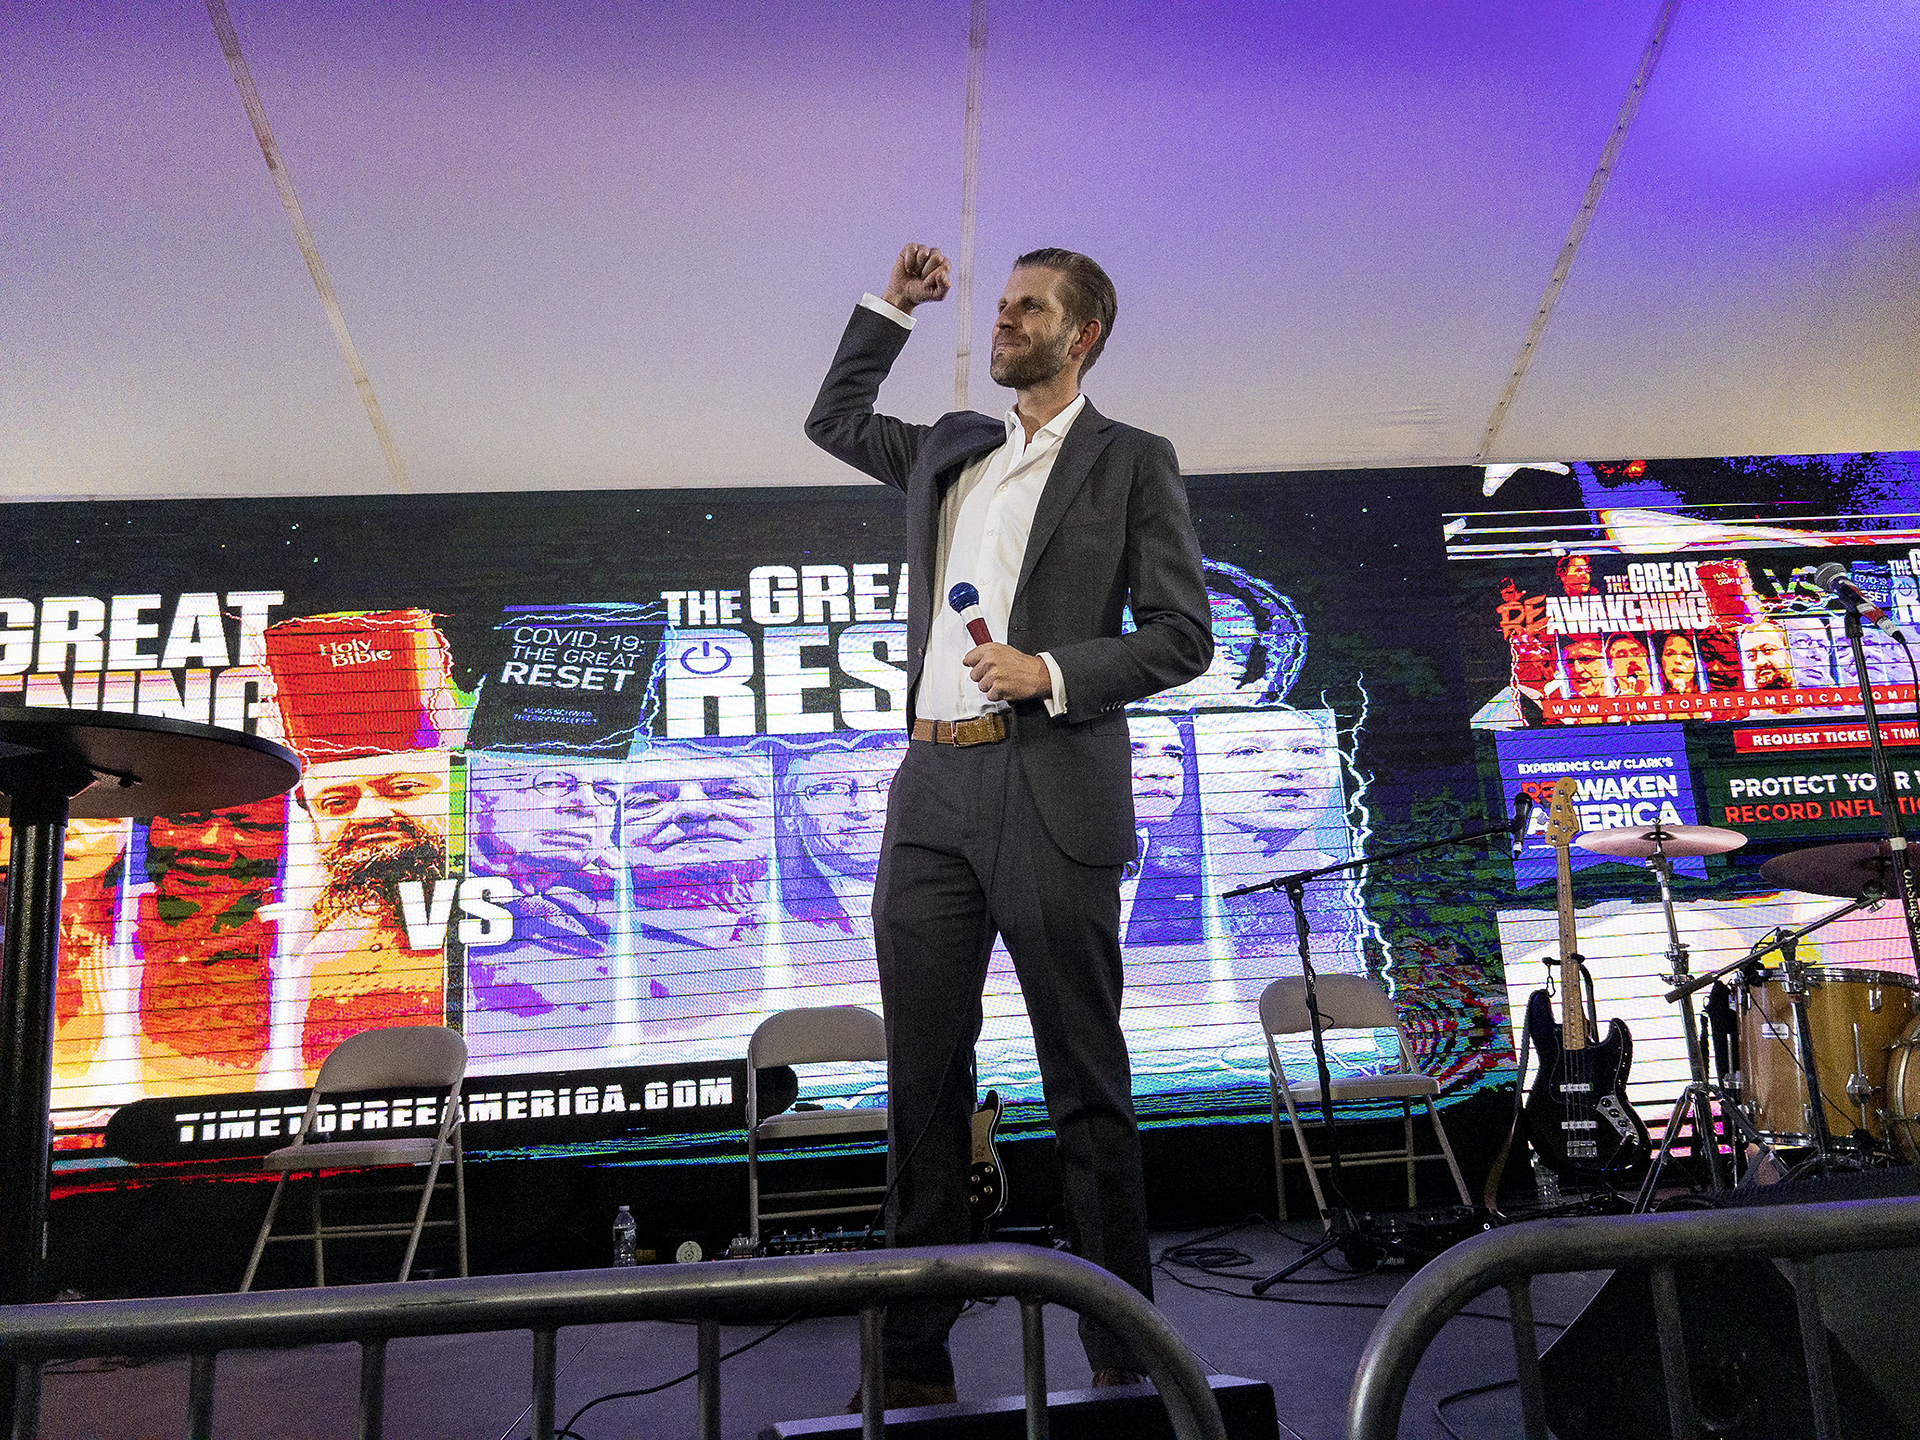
(1392, 1086)
(353, 1154)
(814, 1124)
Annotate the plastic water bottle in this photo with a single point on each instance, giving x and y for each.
(1545, 1183)
(624, 1233)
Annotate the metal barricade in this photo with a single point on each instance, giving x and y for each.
(712, 1293)
(1511, 1257)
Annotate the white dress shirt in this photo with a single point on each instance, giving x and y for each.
(985, 518)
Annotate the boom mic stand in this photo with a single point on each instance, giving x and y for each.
(1347, 1231)
(1903, 881)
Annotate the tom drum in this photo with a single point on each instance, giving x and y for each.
(1857, 1021)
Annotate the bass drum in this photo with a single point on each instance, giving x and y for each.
(1857, 1019)
(1903, 1094)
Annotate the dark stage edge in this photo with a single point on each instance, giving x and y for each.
(1132, 1410)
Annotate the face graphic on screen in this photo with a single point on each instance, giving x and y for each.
(546, 819)
(1720, 658)
(838, 799)
(87, 909)
(691, 811)
(1576, 575)
(1886, 661)
(1763, 649)
(240, 844)
(1679, 669)
(548, 826)
(1235, 635)
(1632, 675)
(1159, 772)
(1272, 774)
(378, 820)
(206, 950)
(1810, 648)
(1586, 666)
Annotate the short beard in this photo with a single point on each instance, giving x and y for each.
(1036, 367)
(366, 881)
(736, 887)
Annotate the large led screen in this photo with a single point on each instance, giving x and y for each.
(599, 779)
(1655, 631)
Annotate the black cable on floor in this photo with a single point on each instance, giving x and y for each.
(1171, 1257)
(1271, 1299)
(1439, 1406)
(1225, 1261)
(567, 1432)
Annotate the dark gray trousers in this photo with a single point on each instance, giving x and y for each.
(966, 857)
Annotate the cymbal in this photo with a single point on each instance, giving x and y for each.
(1638, 842)
(1845, 869)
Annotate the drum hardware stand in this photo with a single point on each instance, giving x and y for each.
(1658, 846)
(1860, 1088)
(1701, 1091)
(1700, 1095)
(1347, 1231)
(1793, 980)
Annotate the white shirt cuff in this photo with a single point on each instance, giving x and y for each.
(880, 307)
(1056, 702)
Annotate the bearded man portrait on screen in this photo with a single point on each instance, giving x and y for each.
(696, 835)
(831, 813)
(367, 701)
(546, 826)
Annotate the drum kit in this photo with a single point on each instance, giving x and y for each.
(1823, 1058)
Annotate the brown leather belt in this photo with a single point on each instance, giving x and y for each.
(981, 730)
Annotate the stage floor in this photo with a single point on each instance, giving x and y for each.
(1305, 1338)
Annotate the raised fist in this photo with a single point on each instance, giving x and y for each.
(920, 274)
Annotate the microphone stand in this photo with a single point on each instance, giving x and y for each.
(1903, 886)
(1346, 1231)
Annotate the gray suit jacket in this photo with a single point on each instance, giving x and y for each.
(1111, 530)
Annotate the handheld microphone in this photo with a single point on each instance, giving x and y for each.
(1835, 580)
(965, 601)
(1522, 809)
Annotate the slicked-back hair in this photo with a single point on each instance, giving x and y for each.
(1086, 293)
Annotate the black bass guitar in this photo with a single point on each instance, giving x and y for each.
(1577, 1116)
(986, 1181)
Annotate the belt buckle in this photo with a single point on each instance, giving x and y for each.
(981, 730)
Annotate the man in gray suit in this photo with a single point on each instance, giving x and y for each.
(1012, 813)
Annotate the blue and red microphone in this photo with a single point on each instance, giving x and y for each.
(965, 601)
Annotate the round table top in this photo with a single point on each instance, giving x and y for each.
(176, 766)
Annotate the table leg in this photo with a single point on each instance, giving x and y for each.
(38, 813)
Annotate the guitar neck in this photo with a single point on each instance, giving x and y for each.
(1573, 1010)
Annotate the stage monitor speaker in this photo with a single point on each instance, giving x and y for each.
(1744, 1361)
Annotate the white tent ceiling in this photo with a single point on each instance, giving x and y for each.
(613, 244)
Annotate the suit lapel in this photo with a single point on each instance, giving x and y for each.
(950, 454)
(957, 440)
(1078, 451)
